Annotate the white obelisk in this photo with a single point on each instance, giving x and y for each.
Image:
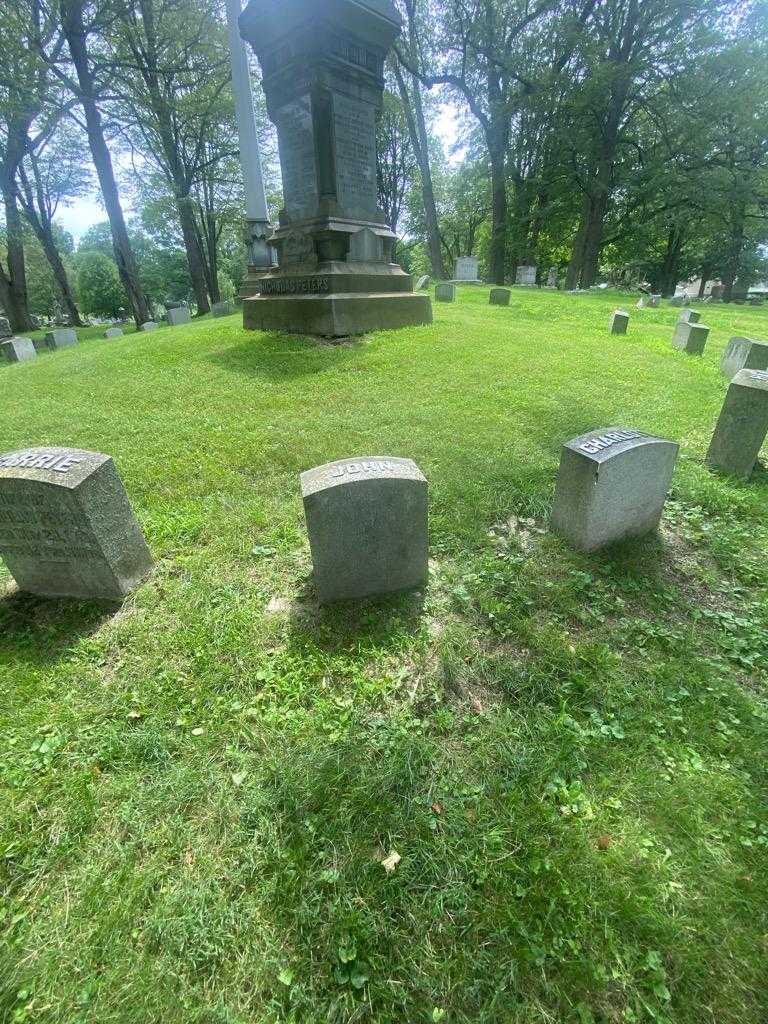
(258, 228)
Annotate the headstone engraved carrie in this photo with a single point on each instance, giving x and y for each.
(466, 268)
(367, 524)
(612, 485)
(689, 316)
(322, 67)
(690, 338)
(113, 332)
(445, 292)
(500, 296)
(742, 425)
(619, 322)
(61, 338)
(17, 350)
(178, 315)
(66, 526)
(526, 277)
(744, 354)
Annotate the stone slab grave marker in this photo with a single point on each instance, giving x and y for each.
(678, 300)
(500, 296)
(62, 337)
(367, 523)
(526, 277)
(178, 315)
(66, 526)
(654, 301)
(689, 316)
(113, 332)
(17, 350)
(219, 309)
(612, 485)
(466, 268)
(742, 425)
(552, 278)
(322, 65)
(744, 354)
(690, 338)
(619, 322)
(445, 292)
(150, 325)
(423, 282)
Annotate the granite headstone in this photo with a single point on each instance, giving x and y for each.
(466, 268)
(742, 426)
(689, 316)
(423, 282)
(744, 354)
(150, 325)
(62, 337)
(500, 296)
(526, 277)
(178, 315)
(619, 322)
(445, 292)
(690, 338)
(113, 332)
(219, 309)
(17, 350)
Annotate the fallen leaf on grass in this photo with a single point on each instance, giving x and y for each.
(437, 808)
(604, 843)
(390, 863)
(238, 778)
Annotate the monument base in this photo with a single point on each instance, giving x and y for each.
(336, 316)
(251, 284)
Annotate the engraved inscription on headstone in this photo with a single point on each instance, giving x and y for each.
(66, 526)
(466, 268)
(354, 132)
(500, 296)
(612, 485)
(17, 350)
(619, 322)
(526, 277)
(744, 354)
(690, 338)
(297, 158)
(367, 523)
(742, 426)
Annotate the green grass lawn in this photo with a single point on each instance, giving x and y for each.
(568, 752)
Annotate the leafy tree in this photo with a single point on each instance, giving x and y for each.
(98, 285)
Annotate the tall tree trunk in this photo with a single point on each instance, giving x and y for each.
(194, 254)
(497, 256)
(13, 281)
(670, 267)
(576, 264)
(706, 270)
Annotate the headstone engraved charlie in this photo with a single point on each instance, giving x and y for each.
(466, 268)
(690, 338)
(367, 523)
(742, 425)
(322, 67)
(17, 350)
(619, 322)
(60, 338)
(500, 296)
(66, 526)
(744, 354)
(612, 485)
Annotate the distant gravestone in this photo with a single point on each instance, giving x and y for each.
(526, 277)
(690, 316)
(5, 328)
(744, 354)
(66, 526)
(113, 332)
(500, 296)
(742, 426)
(612, 485)
(367, 523)
(178, 315)
(640, 303)
(150, 325)
(756, 300)
(619, 322)
(678, 300)
(654, 301)
(423, 282)
(466, 268)
(690, 338)
(226, 308)
(552, 278)
(63, 337)
(717, 291)
(445, 292)
(17, 350)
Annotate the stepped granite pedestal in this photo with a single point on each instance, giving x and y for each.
(322, 70)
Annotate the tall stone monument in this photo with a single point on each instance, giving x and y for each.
(322, 67)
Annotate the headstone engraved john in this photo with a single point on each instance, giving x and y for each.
(445, 292)
(367, 523)
(113, 332)
(689, 316)
(66, 526)
(744, 354)
(612, 485)
(322, 71)
(526, 277)
(63, 337)
(178, 315)
(17, 350)
(500, 296)
(742, 426)
(619, 322)
(690, 338)
(466, 268)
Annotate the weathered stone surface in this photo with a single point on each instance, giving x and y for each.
(466, 268)
(423, 282)
(677, 300)
(612, 485)
(150, 325)
(690, 338)
(113, 332)
(526, 277)
(367, 523)
(178, 315)
(340, 316)
(690, 316)
(66, 526)
(742, 426)
(445, 292)
(5, 328)
(744, 354)
(222, 309)
(500, 296)
(619, 322)
(17, 350)
(717, 291)
(62, 337)
(654, 301)
(552, 278)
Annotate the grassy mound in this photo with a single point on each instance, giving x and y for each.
(199, 791)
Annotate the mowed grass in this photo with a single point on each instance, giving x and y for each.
(568, 753)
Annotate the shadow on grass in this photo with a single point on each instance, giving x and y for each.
(280, 357)
(40, 630)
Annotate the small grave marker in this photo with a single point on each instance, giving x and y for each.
(66, 526)
(150, 325)
(690, 338)
(178, 315)
(526, 277)
(367, 523)
(742, 426)
(654, 301)
(500, 296)
(677, 300)
(226, 308)
(423, 282)
(744, 354)
(63, 337)
(466, 268)
(113, 332)
(619, 322)
(445, 292)
(689, 316)
(17, 350)
(612, 485)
